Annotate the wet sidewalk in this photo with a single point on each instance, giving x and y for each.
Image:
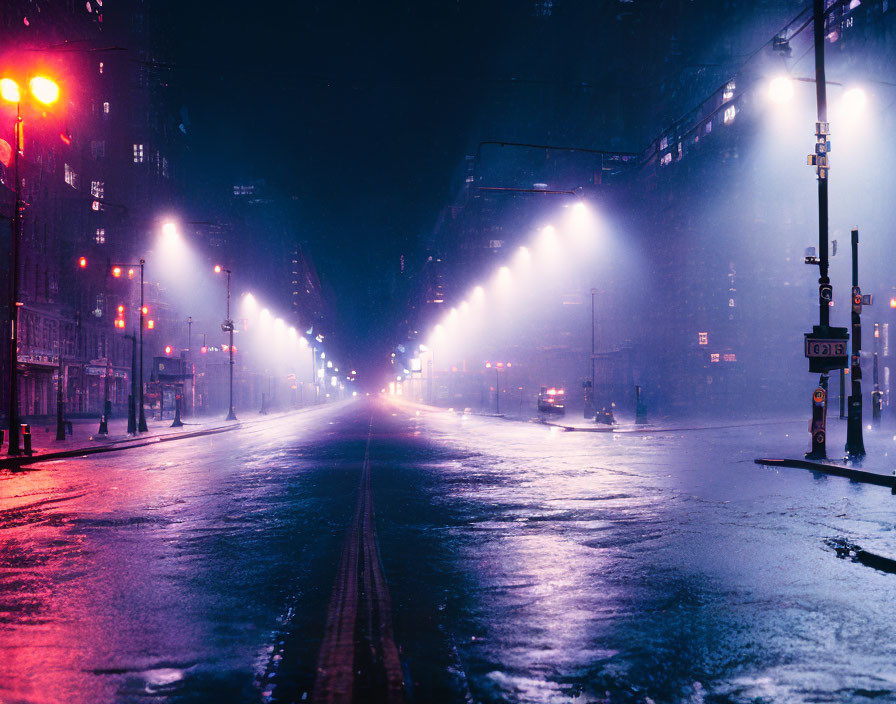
(877, 467)
(85, 438)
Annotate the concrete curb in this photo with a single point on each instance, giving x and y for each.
(16, 463)
(856, 475)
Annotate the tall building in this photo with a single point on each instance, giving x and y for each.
(99, 169)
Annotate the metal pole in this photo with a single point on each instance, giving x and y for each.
(497, 394)
(132, 397)
(876, 396)
(192, 370)
(13, 448)
(141, 426)
(842, 393)
(60, 397)
(855, 445)
(230, 414)
(824, 283)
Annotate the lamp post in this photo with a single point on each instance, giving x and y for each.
(227, 326)
(47, 92)
(497, 367)
(116, 273)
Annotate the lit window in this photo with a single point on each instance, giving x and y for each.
(106, 108)
(709, 127)
(71, 178)
(728, 93)
(96, 205)
(731, 303)
(100, 236)
(729, 357)
(714, 357)
(667, 159)
(703, 338)
(98, 189)
(138, 154)
(730, 112)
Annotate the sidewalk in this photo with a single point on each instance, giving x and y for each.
(877, 467)
(85, 440)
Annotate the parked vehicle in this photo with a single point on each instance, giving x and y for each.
(552, 401)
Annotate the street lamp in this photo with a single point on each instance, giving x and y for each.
(116, 273)
(497, 366)
(44, 91)
(227, 326)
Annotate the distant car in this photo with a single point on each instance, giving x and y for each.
(552, 401)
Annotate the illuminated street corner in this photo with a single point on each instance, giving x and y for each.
(448, 352)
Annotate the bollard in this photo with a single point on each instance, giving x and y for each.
(26, 438)
(104, 426)
(177, 421)
(69, 428)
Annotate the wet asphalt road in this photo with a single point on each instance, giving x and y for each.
(520, 565)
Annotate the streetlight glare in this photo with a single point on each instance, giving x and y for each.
(217, 268)
(9, 89)
(44, 89)
(854, 101)
(169, 231)
(780, 90)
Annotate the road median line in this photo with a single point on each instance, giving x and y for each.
(358, 658)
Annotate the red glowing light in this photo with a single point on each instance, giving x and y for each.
(167, 349)
(82, 262)
(144, 310)
(65, 139)
(116, 272)
(203, 350)
(151, 324)
(120, 310)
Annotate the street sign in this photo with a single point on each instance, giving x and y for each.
(826, 348)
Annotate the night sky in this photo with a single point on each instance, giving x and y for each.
(365, 110)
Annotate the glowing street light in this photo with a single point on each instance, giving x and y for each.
(44, 91)
(9, 90)
(854, 101)
(780, 90)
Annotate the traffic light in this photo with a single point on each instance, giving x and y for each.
(151, 324)
(82, 262)
(116, 272)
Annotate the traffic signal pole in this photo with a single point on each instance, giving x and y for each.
(855, 445)
(817, 426)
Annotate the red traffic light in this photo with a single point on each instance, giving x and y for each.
(116, 272)
(82, 262)
(120, 310)
(203, 350)
(167, 349)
